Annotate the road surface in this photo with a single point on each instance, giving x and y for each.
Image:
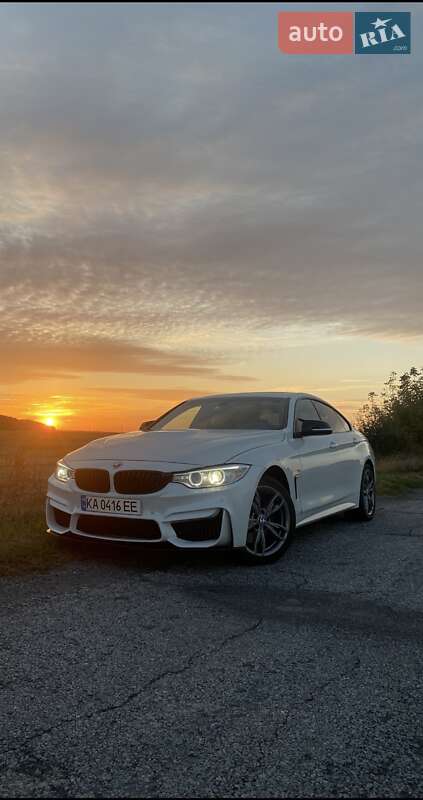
(175, 675)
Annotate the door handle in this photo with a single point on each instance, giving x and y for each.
(332, 445)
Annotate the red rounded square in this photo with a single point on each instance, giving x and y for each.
(316, 32)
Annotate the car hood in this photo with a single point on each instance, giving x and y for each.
(182, 448)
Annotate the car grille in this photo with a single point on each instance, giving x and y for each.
(199, 530)
(118, 527)
(140, 481)
(93, 480)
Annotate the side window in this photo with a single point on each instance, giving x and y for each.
(304, 409)
(329, 415)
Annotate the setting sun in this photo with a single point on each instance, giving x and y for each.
(50, 422)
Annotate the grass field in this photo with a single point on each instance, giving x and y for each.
(28, 458)
(398, 474)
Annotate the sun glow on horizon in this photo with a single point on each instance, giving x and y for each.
(50, 422)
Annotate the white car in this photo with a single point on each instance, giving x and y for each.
(239, 470)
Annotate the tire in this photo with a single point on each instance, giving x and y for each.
(367, 506)
(269, 532)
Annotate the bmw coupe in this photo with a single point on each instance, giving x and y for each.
(242, 471)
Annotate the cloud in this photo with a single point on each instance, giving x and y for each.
(171, 186)
(20, 361)
(148, 392)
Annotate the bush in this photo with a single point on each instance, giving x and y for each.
(393, 420)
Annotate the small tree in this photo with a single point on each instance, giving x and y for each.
(393, 420)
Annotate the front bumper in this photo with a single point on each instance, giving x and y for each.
(183, 517)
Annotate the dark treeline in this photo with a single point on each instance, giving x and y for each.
(393, 420)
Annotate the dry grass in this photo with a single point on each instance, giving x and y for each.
(398, 474)
(27, 458)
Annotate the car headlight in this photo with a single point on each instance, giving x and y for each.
(63, 473)
(211, 477)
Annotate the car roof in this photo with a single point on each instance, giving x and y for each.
(286, 395)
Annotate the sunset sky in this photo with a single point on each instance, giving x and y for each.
(185, 210)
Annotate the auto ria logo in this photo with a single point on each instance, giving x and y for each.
(343, 32)
(383, 33)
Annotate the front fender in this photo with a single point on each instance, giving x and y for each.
(269, 459)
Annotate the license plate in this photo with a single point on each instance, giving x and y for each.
(111, 505)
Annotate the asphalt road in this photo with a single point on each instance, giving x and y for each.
(177, 675)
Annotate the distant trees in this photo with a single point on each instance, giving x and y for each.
(393, 420)
(13, 424)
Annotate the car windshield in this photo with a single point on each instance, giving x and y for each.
(227, 413)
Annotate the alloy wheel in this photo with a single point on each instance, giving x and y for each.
(269, 523)
(368, 492)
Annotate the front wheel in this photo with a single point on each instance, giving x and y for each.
(271, 524)
(367, 506)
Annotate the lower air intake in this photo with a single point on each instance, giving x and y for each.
(119, 527)
(62, 518)
(199, 530)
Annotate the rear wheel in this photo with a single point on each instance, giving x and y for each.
(367, 507)
(271, 523)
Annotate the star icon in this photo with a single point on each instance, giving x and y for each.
(381, 23)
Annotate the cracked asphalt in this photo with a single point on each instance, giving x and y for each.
(167, 674)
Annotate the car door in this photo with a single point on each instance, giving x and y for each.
(315, 483)
(345, 466)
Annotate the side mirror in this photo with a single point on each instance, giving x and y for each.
(313, 427)
(145, 426)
